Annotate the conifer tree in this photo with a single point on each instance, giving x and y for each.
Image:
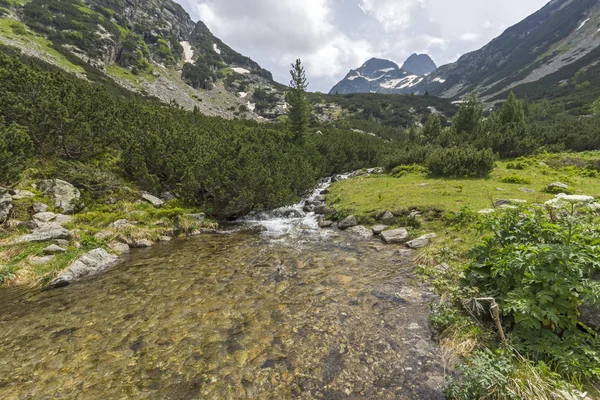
(512, 111)
(297, 98)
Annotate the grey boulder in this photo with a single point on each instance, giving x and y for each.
(155, 201)
(348, 222)
(388, 218)
(5, 204)
(395, 236)
(421, 242)
(39, 208)
(22, 194)
(44, 217)
(54, 249)
(590, 315)
(63, 194)
(45, 233)
(558, 185)
(92, 263)
(378, 229)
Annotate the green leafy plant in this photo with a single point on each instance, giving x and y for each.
(539, 266)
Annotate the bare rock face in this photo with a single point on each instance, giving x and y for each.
(63, 194)
(395, 236)
(92, 263)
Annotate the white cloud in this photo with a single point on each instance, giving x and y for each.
(333, 36)
(276, 32)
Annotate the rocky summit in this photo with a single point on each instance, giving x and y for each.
(384, 76)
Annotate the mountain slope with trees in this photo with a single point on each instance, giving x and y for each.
(151, 47)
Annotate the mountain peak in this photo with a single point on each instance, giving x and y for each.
(374, 65)
(419, 64)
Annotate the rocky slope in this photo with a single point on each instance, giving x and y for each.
(560, 35)
(419, 64)
(553, 52)
(152, 47)
(383, 76)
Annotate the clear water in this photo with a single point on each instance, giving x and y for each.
(294, 314)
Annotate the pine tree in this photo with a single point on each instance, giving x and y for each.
(467, 121)
(512, 111)
(297, 98)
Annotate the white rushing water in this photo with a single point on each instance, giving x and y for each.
(298, 220)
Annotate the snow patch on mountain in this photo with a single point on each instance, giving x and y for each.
(440, 80)
(386, 70)
(242, 71)
(188, 52)
(582, 24)
(216, 48)
(391, 84)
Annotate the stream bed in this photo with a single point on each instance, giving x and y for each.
(294, 313)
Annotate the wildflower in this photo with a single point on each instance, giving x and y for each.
(486, 211)
(574, 199)
(509, 207)
(594, 206)
(518, 201)
(555, 203)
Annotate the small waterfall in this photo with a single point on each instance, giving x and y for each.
(300, 219)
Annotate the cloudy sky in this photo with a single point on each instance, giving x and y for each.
(333, 36)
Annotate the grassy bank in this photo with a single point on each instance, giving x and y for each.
(535, 260)
(367, 195)
(111, 213)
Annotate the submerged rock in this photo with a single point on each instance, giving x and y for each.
(361, 232)
(119, 248)
(395, 236)
(348, 222)
(63, 194)
(325, 224)
(140, 243)
(92, 263)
